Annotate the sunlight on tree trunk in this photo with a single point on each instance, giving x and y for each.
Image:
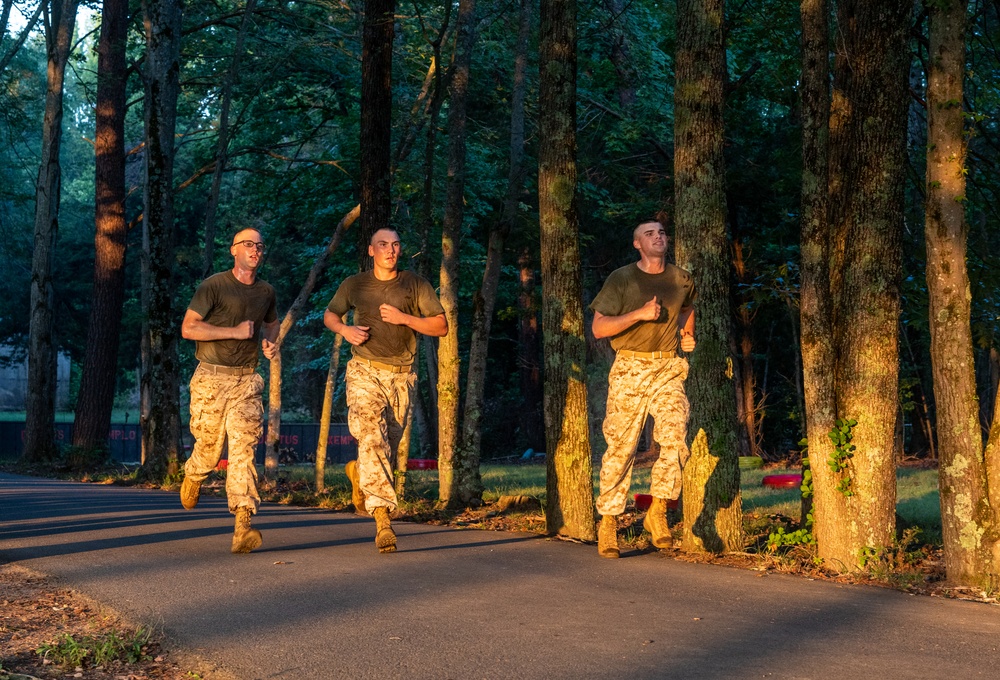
(327, 409)
(449, 361)
(569, 508)
(702, 248)
(99, 376)
(968, 521)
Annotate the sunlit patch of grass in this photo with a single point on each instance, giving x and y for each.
(69, 651)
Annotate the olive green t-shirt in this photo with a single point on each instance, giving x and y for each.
(629, 288)
(408, 292)
(223, 300)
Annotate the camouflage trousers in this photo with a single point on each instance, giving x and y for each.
(378, 402)
(637, 387)
(227, 407)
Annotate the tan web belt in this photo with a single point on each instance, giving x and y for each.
(629, 354)
(226, 370)
(384, 367)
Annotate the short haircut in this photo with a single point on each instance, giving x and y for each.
(238, 230)
(371, 241)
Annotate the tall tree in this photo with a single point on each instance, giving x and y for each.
(161, 417)
(703, 249)
(376, 121)
(968, 518)
(471, 486)
(39, 432)
(857, 401)
(223, 140)
(569, 508)
(97, 383)
(449, 361)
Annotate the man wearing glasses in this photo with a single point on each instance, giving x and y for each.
(390, 308)
(230, 314)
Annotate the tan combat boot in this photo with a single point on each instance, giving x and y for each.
(190, 492)
(607, 537)
(245, 538)
(385, 537)
(357, 495)
(656, 524)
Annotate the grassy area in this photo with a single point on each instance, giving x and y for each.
(917, 492)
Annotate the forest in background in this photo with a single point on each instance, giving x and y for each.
(293, 123)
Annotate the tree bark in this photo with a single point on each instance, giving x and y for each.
(161, 423)
(287, 322)
(815, 301)
(324, 419)
(39, 431)
(569, 508)
(376, 121)
(702, 248)
(855, 505)
(97, 383)
(968, 521)
(450, 467)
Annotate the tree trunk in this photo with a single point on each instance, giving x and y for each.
(376, 122)
(161, 429)
(569, 508)
(815, 301)
(287, 322)
(967, 519)
(39, 430)
(529, 360)
(222, 143)
(620, 53)
(324, 419)
(471, 487)
(450, 467)
(97, 383)
(855, 497)
(702, 248)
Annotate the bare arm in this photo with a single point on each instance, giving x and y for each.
(268, 336)
(608, 326)
(686, 323)
(355, 335)
(194, 327)
(435, 326)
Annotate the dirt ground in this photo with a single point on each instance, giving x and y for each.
(35, 611)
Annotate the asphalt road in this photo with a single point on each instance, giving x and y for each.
(318, 601)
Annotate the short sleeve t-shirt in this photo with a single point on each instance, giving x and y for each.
(408, 292)
(223, 300)
(629, 288)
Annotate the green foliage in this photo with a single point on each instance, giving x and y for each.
(843, 451)
(897, 562)
(100, 650)
(781, 537)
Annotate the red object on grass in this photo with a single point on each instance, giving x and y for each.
(421, 464)
(643, 501)
(222, 464)
(782, 481)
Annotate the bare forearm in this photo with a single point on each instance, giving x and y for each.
(196, 329)
(686, 321)
(609, 326)
(434, 326)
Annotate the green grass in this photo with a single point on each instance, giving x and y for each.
(917, 491)
(70, 652)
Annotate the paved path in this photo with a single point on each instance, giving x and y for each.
(318, 601)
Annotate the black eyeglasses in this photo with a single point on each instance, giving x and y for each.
(251, 244)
